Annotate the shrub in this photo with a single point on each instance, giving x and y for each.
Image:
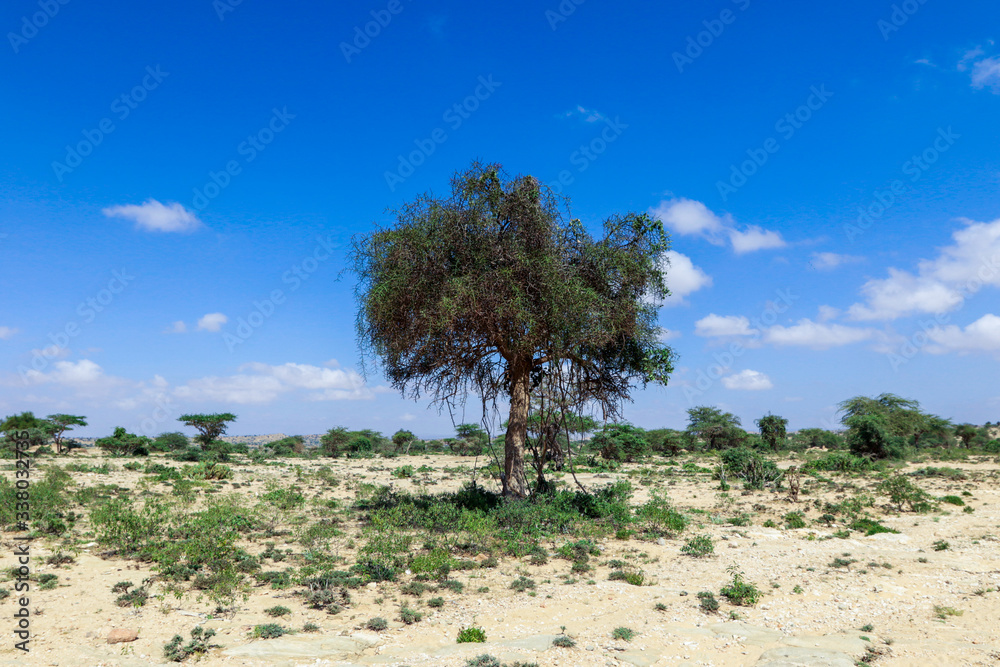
(277, 611)
(310, 627)
(409, 616)
(953, 500)
(562, 641)
(660, 517)
(377, 624)
(484, 660)
(870, 526)
(176, 651)
(901, 490)
(403, 472)
(698, 547)
(522, 584)
(795, 520)
(740, 591)
(269, 631)
(621, 442)
(753, 468)
(435, 602)
(471, 635)
(623, 633)
(707, 602)
(840, 461)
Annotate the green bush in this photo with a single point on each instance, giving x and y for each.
(740, 591)
(176, 651)
(621, 442)
(269, 631)
(623, 633)
(840, 461)
(707, 602)
(277, 611)
(659, 517)
(522, 584)
(409, 616)
(902, 491)
(795, 520)
(753, 468)
(377, 624)
(471, 635)
(699, 546)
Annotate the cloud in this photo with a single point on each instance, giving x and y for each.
(83, 374)
(940, 285)
(983, 71)
(747, 380)
(688, 217)
(153, 216)
(587, 115)
(668, 334)
(682, 277)
(178, 327)
(262, 383)
(823, 261)
(728, 325)
(7, 333)
(983, 335)
(755, 238)
(827, 313)
(806, 333)
(211, 322)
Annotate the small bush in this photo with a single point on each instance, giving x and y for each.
(435, 603)
(522, 584)
(698, 547)
(623, 633)
(377, 624)
(277, 611)
(953, 500)
(562, 641)
(403, 472)
(176, 651)
(740, 591)
(269, 631)
(471, 635)
(310, 627)
(707, 602)
(409, 616)
(902, 491)
(484, 660)
(795, 520)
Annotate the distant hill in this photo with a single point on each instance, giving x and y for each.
(252, 441)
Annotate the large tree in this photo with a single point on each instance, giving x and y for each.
(773, 430)
(62, 423)
(210, 427)
(719, 430)
(490, 289)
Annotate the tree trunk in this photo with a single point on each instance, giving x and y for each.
(514, 483)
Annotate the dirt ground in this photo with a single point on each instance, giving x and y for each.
(902, 600)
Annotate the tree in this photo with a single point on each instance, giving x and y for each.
(937, 428)
(472, 439)
(290, 446)
(869, 435)
(718, 429)
(772, 429)
(334, 441)
(123, 443)
(62, 423)
(491, 288)
(35, 431)
(817, 437)
(666, 440)
(403, 438)
(170, 442)
(902, 415)
(966, 433)
(210, 427)
(621, 442)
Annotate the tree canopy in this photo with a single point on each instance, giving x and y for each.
(494, 287)
(718, 429)
(209, 427)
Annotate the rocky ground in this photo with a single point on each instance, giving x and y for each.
(901, 599)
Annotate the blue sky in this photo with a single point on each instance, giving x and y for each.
(178, 190)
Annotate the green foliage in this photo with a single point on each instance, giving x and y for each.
(176, 651)
(485, 288)
(621, 442)
(841, 461)
(471, 635)
(284, 498)
(623, 633)
(50, 505)
(795, 520)
(870, 526)
(277, 611)
(562, 641)
(291, 446)
(403, 472)
(707, 602)
(377, 624)
(718, 429)
(953, 500)
(169, 442)
(901, 490)
(269, 631)
(755, 470)
(123, 443)
(740, 591)
(699, 546)
(409, 616)
(772, 430)
(659, 517)
(522, 584)
(209, 426)
(817, 437)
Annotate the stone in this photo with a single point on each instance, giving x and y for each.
(119, 635)
(795, 656)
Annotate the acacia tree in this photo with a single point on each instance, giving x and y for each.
(210, 427)
(62, 423)
(718, 429)
(491, 288)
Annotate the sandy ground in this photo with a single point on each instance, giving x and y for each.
(894, 585)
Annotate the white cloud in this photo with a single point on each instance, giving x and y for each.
(940, 285)
(407, 417)
(177, 327)
(7, 332)
(682, 277)
(755, 238)
(76, 374)
(985, 71)
(815, 335)
(822, 261)
(262, 383)
(211, 322)
(983, 335)
(747, 380)
(153, 216)
(688, 217)
(588, 115)
(728, 325)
